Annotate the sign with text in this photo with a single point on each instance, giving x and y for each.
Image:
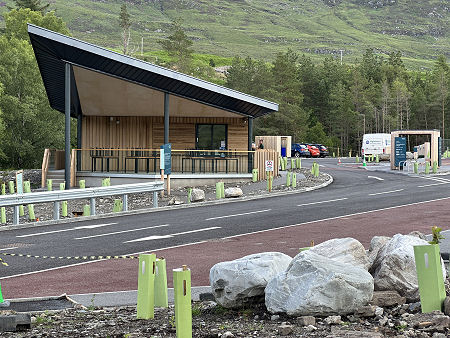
(400, 150)
(166, 158)
(19, 181)
(269, 165)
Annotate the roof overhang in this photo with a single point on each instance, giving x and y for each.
(54, 50)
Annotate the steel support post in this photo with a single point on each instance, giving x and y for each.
(155, 199)
(16, 215)
(92, 205)
(67, 105)
(56, 210)
(125, 202)
(166, 118)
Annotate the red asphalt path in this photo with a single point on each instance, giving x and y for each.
(120, 275)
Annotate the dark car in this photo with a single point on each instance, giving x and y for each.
(323, 150)
(300, 150)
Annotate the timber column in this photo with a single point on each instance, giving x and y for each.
(166, 118)
(250, 141)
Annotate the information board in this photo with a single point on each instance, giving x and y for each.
(19, 181)
(400, 151)
(166, 158)
(269, 165)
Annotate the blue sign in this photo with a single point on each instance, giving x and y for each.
(400, 151)
(166, 160)
(439, 151)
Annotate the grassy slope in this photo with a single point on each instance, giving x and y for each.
(261, 28)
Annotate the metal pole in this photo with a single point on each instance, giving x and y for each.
(67, 124)
(155, 199)
(92, 204)
(125, 202)
(16, 215)
(56, 210)
(166, 118)
(250, 138)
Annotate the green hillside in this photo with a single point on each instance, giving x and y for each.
(261, 28)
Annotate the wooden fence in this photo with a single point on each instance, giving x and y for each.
(263, 155)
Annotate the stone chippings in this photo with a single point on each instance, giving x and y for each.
(212, 320)
(44, 211)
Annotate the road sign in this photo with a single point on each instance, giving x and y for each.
(166, 158)
(269, 165)
(19, 181)
(400, 150)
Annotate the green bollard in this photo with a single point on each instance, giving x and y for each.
(3, 189)
(427, 167)
(82, 184)
(377, 159)
(429, 276)
(182, 297)
(416, 168)
(254, 175)
(299, 163)
(357, 159)
(118, 205)
(294, 180)
(222, 190)
(146, 286)
(334, 155)
(11, 187)
(3, 215)
(49, 185)
(292, 163)
(189, 195)
(86, 210)
(288, 179)
(435, 165)
(161, 299)
(218, 190)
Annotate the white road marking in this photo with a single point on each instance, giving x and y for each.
(64, 230)
(385, 192)
(437, 179)
(124, 231)
(235, 215)
(337, 199)
(433, 184)
(151, 238)
(377, 178)
(234, 236)
(14, 247)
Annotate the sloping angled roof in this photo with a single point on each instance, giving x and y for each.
(53, 50)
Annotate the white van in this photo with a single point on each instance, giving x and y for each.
(376, 144)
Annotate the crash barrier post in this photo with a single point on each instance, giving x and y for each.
(218, 190)
(182, 297)
(27, 190)
(118, 205)
(288, 179)
(294, 180)
(254, 175)
(292, 163)
(161, 298)
(299, 163)
(189, 195)
(82, 184)
(146, 286)
(49, 185)
(416, 168)
(435, 165)
(86, 210)
(427, 167)
(429, 276)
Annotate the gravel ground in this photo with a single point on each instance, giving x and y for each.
(44, 211)
(212, 320)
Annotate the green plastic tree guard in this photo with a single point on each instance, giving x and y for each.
(182, 297)
(49, 185)
(299, 163)
(146, 286)
(435, 165)
(62, 186)
(118, 205)
(268, 180)
(357, 159)
(294, 180)
(288, 179)
(104, 183)
(87, 210)
(218, 190)
(429, 276)
(161, 298)
(285, 162)
(11, 187)
(416, 168)
(1, 296)
(377, 159)
(427, 167)
(255, 175)
(27, 190)
(334, 155)
(292, 163)
(3, 215)
(282, 164)
(222, 190)
(82, 184)
(3, 189)
(64, 209)
(189, 195)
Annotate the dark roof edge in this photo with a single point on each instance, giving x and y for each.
(43, 32)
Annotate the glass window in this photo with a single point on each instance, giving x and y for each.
(211, 136)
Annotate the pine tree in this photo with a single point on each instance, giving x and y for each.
(34, 5)
(178, 45)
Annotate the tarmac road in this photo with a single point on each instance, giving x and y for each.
(359, 204)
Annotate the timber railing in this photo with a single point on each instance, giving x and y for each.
(58, 196)
(45, 164)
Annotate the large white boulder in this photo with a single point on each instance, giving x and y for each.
(243, 280)
(344, 250)
(316, 285)
(376, 244)
(233, 192)
(395, 269)
(197, 195)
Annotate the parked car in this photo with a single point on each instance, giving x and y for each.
(315, 152)
(323, 150)
(300, 150)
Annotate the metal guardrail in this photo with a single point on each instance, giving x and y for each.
(89, 193)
